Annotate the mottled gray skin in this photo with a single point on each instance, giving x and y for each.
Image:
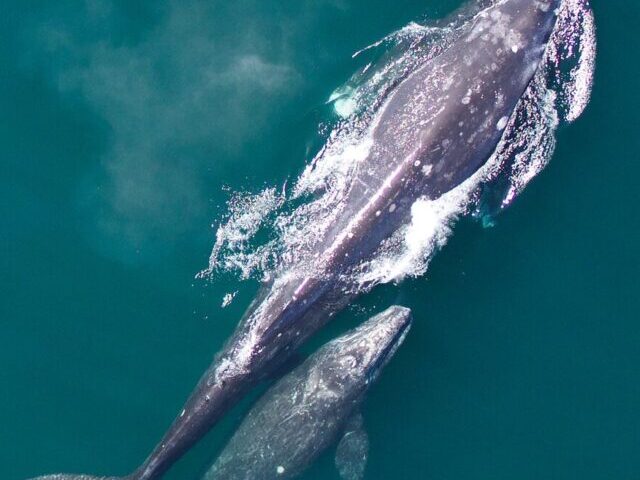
(306, 411)
(439, 127)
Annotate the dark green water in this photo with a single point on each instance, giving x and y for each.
(122, 120)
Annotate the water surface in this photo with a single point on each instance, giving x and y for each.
(122, 122)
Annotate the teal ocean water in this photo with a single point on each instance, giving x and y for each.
(126, 125)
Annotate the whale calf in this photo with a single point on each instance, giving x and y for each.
(310, 408)
(435, 130)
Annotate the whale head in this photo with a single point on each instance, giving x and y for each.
(349, 364)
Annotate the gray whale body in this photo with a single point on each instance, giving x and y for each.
(439, 126)
(305, 412)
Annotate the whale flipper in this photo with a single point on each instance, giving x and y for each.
(352, 451)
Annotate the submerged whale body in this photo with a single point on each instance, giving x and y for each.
(306, 411)
(439, 126)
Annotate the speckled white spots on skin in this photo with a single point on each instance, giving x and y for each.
(502, 123)
(543, 6)
(447, 83)
(392, 208)
(280, 470)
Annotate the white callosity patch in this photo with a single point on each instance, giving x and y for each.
(317, 197)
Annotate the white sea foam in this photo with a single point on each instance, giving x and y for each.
(228, 299)
(232, 251)
(408, 252)
(572, 51)
(298, 219)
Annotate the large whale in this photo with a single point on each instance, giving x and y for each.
(439, 126)
(313, 406)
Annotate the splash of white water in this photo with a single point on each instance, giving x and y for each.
(232, 250)
(228, 299)
(573, 48)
